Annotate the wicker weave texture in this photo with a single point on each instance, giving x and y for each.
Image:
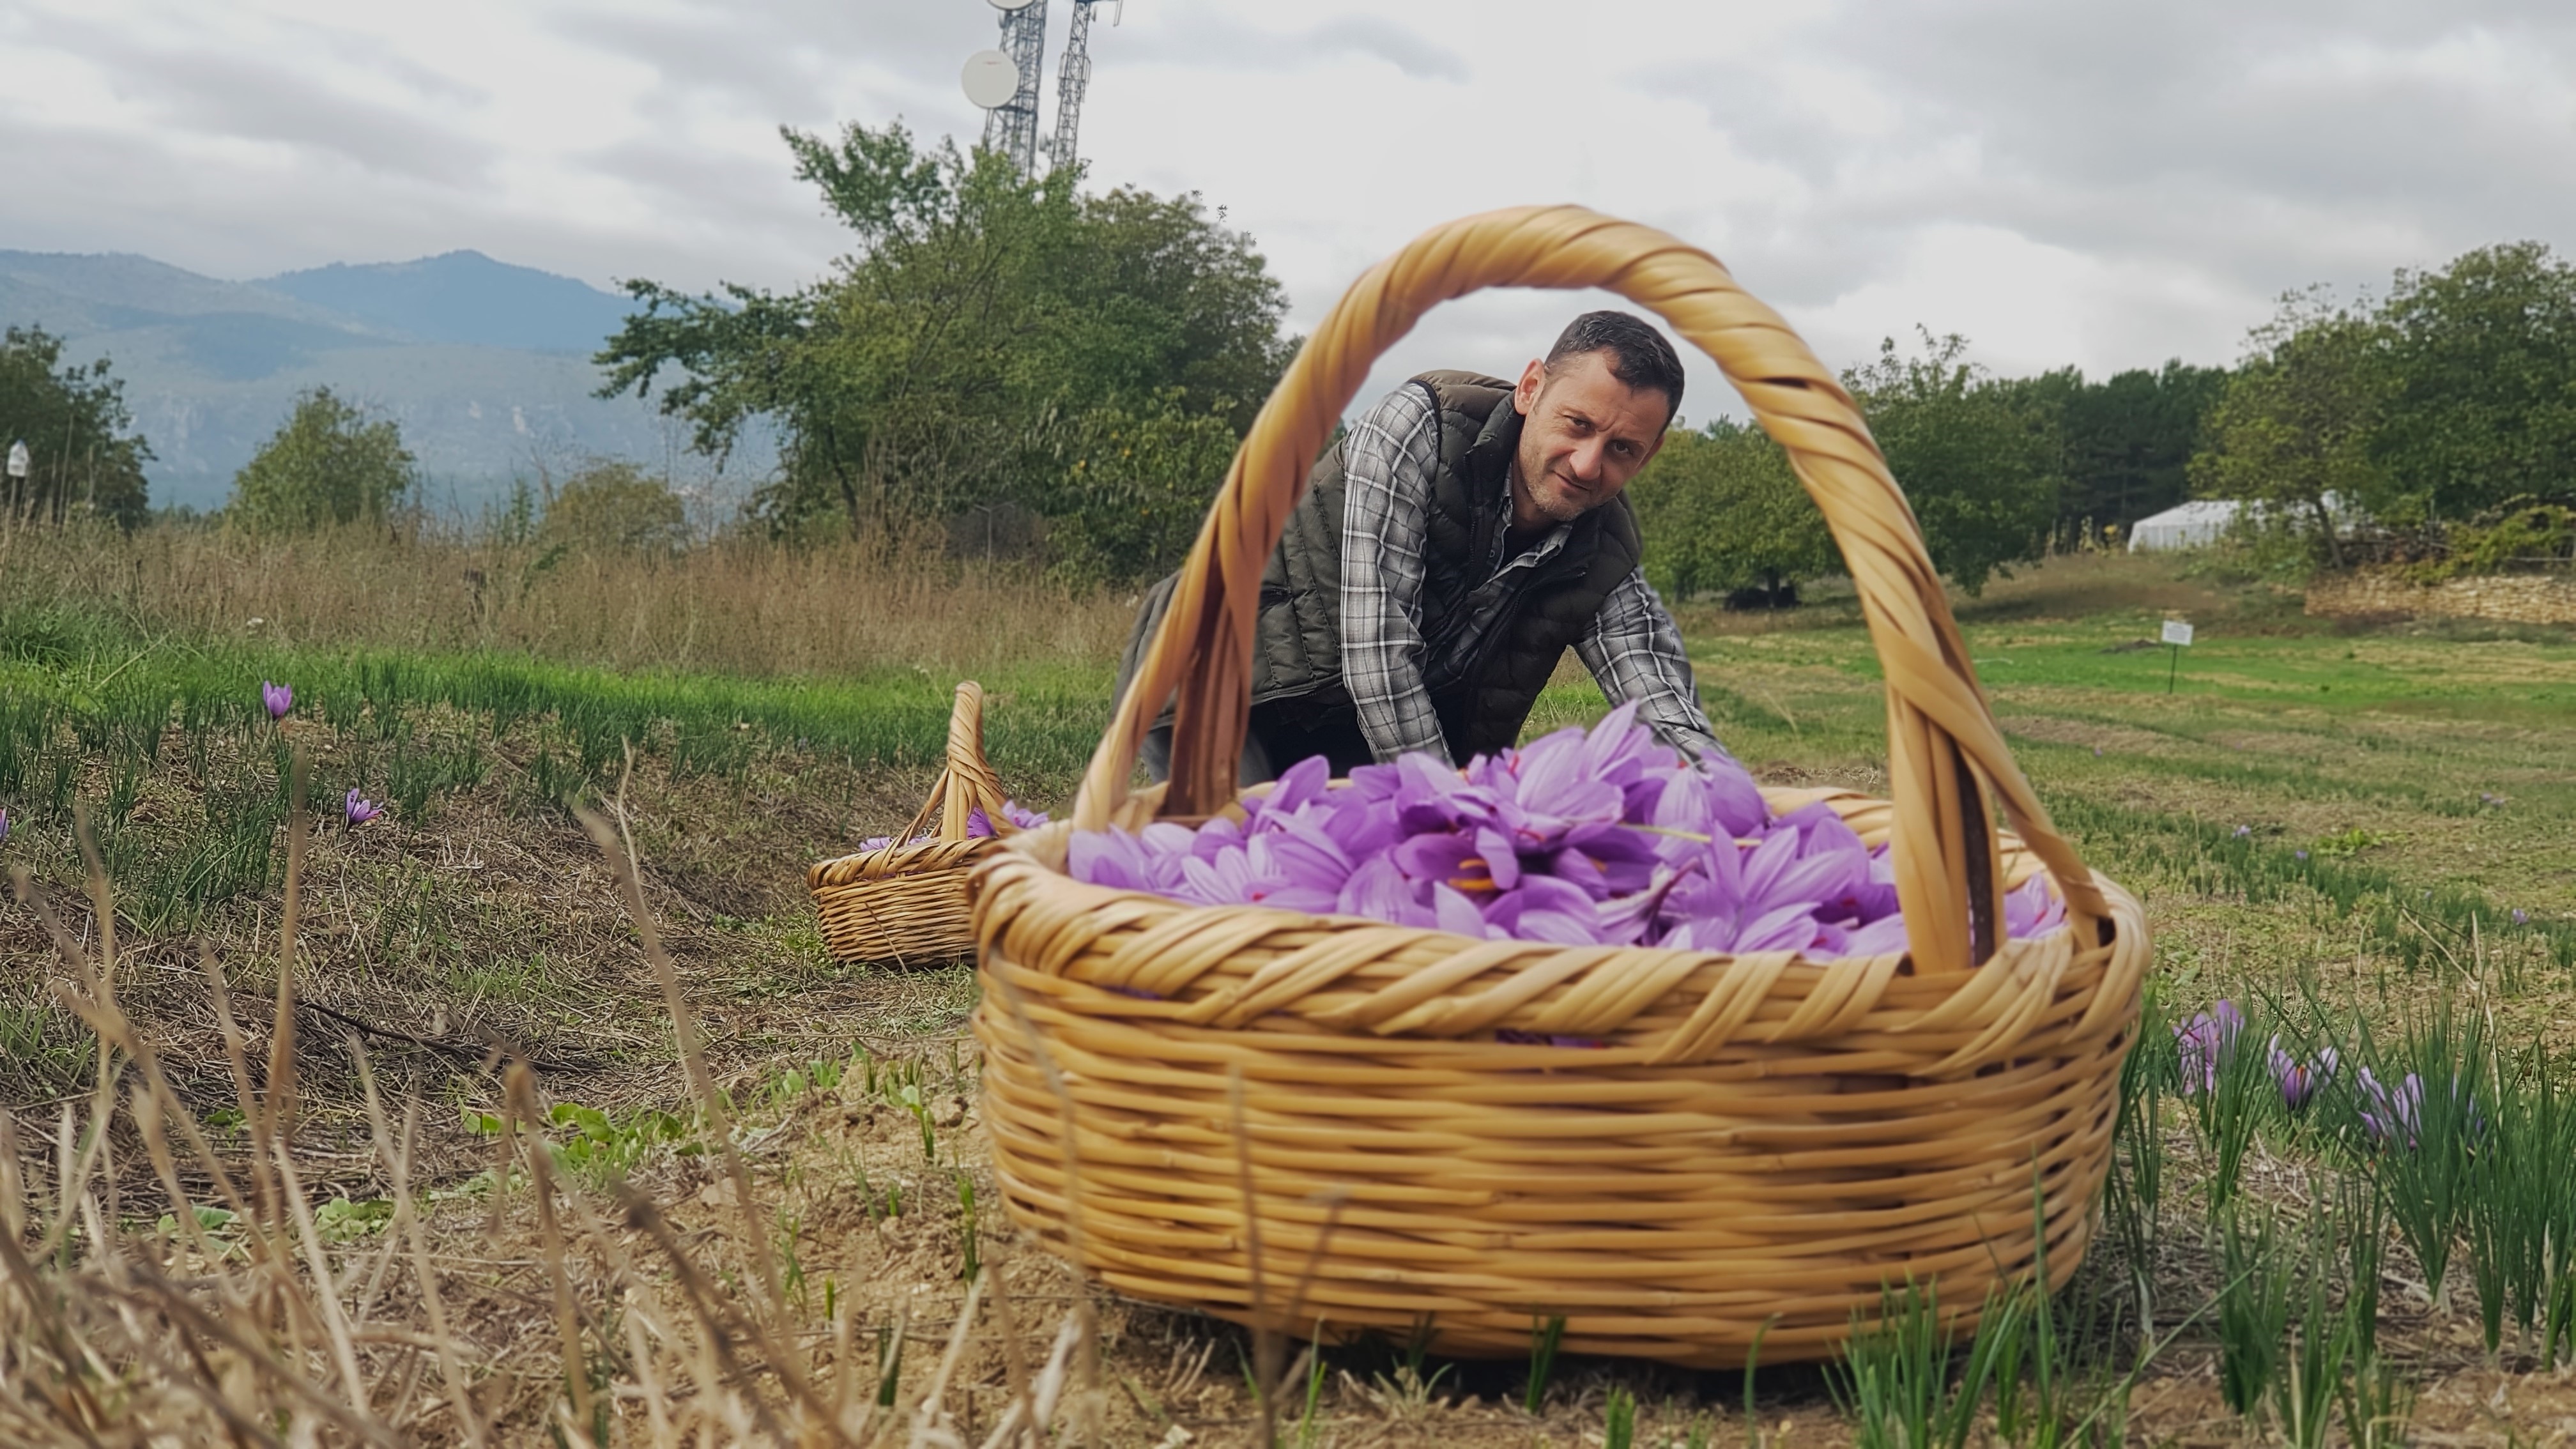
(1715, 1143)
(906, 904)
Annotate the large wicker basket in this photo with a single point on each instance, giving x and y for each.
(905, 904)
(1282, 1118)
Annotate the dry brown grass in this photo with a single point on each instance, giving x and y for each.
(741, 606)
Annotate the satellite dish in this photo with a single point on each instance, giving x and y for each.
(1011, 4)
(990, 78)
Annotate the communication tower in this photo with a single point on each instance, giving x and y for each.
(1012, 127)
(1073, 81)
(1005, 82)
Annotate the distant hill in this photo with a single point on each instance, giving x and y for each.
(485, 365)
(463, 297)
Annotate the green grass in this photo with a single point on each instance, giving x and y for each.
(2351, 836)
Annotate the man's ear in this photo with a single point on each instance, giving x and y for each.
(1525, 392)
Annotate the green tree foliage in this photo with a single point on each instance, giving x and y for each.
(2293, 431)
(328, 464)
(82, 452)
(955, 358)
(1133, 487)
(2480, 407)
(1980, 460)
(612, 505)
(2129, 439)
(1720, 511)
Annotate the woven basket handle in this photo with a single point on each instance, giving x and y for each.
(967, 781)
(1944, 753)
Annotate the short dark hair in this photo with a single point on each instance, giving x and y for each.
(1639, 355)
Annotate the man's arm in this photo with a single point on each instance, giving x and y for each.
(1635, 653)
(1387, 463)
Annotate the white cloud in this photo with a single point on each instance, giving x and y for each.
(2090, 184)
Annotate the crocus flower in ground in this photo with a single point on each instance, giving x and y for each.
(2204, 1041)
(359, 809)
(2299, 1080)
(2244, 830)
(280, 698)
(4, 825)
(2386, 1115)
(2521, 917)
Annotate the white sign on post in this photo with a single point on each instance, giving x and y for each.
(2177, 632)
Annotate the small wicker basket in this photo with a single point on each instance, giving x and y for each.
(1287, 1119)
(905, 904)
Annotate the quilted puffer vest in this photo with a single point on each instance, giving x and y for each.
(1482, 701)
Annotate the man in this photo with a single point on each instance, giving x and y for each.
(1447, 551)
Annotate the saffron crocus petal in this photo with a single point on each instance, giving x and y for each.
(1301, 782)
(1381, 892)
(2031, 909)
(1501, 861)
(1456, 914)
(1219, 880)
(1021, 817)
(1734, 801)
(1788, 928)
(1444, 857)
(1882, 937)
(978, 824)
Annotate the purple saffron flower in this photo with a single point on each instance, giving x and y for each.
(2298, 855)
(1584, 837)
(2204, 1042)
(2521, 917)
(2031, 910)
(4, 825)
(2300, 1080)
(2386, 1114)
(359, 810)
(280, 698)
(1022, 817)
(2244, 830)
(2097, 752)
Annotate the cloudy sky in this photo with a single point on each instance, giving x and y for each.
(2063, 181)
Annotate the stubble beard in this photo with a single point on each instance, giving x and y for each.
(1555, 507)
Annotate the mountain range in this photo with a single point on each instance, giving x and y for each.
(484, 365)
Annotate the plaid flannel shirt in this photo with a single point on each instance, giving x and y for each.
(1389, 460)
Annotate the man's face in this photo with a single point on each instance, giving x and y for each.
(1584, 434)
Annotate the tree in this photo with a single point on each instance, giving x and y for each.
(1981, 461)
(1720, 511)
(948, 361)
(82, 453)
(2480, 408)
(2293, 431)
(612, 505)
(1132, 488)
(327, 464)
(2129, 439)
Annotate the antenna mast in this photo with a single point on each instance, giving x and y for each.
(1071, 84)
(1012, 127)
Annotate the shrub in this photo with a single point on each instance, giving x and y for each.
(327, 465)
(613, 505)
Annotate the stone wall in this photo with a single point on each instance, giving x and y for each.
(2512, 598)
